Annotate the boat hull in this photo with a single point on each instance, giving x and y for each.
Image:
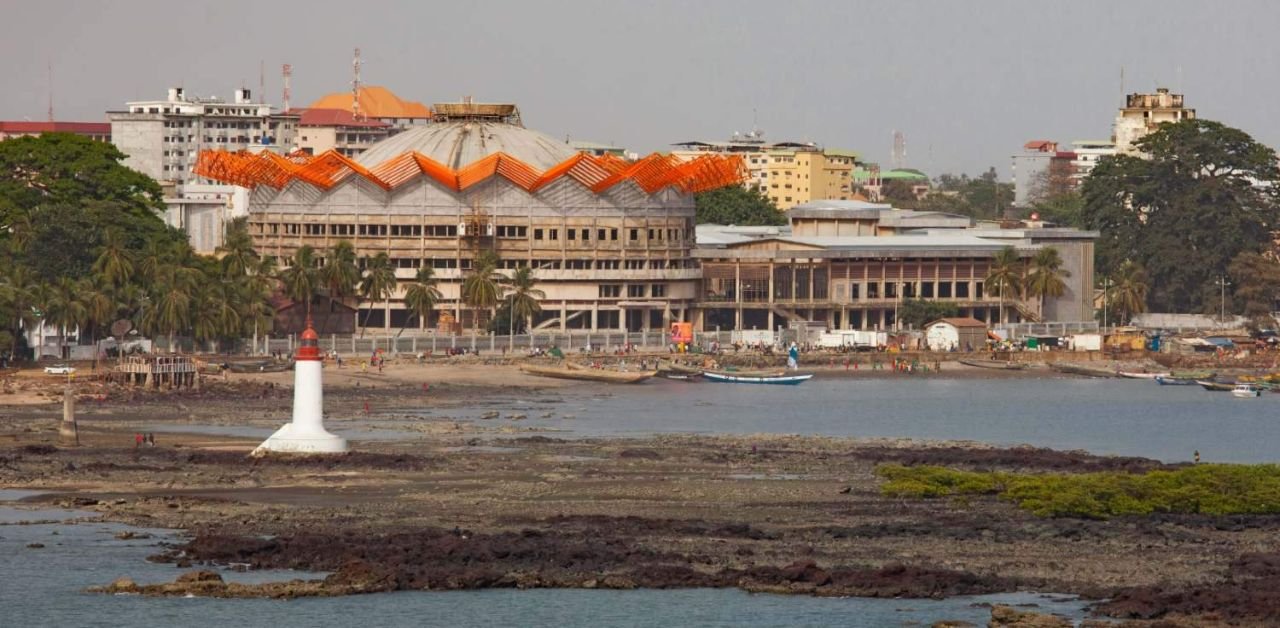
(1174, 381)
(783, 380)
(1216, 386)
(588, 375)
(995, 364)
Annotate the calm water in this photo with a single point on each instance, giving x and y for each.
(1127, 417)
(42, 587)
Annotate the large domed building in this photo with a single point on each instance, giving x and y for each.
(609, 240)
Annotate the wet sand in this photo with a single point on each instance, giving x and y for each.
(449, 506)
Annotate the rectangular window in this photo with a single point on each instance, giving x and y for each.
(962, 289)
(538, 234)
(853, 291)
(610, 291)
(553, 234)
(572, 234)
(613, 234)
(658, 290)
(873, 290)
(944, 289)
(635, 290)
(634, 235)
(600, 235)
(635, 264)
(926, 290)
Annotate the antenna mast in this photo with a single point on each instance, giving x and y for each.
(285, 74)
(355, 86)
(51, 91)
(262, 79)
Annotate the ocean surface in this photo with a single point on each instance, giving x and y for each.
(1104, 416)
(44, 587)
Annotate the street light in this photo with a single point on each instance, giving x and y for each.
(1222, 284)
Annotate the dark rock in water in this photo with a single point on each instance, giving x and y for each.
(952, 623)
(36, 545)
(202, 575)
(646, 454)
(128, 535)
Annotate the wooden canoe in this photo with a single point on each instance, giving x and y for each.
(736, 377)
(588, 374)
(1076, 369)
(995, 364)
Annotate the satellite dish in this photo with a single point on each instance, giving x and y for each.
(121, 327)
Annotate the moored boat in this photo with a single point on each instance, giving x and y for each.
(1175, 381)
(995, 364)
(1142, 374)
(588, 374)
(1077, 369)
(745, 378)
(1209, 384)
(1246, 391)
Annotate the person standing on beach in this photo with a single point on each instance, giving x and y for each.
(793, 357)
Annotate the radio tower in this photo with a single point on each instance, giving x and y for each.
(51, 91)
(355, 86)
(285, 74)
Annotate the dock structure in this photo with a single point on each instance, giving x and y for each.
(160, 371)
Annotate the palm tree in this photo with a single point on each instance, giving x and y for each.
(216, 313)
(340, 275)
(378, 284)
(1005, 276)
(114, 263)
(237, 251)
(64, 309)
(99, 304)
(300, 277)
(19, 290)
(482, 288)
(172, 301)
(522, 300)
(1128, 294)
(1045, 277)
(422, 295)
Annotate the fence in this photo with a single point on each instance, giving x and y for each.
(490, 344)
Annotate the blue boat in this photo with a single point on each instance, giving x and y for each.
(786, 380)
(1174, 381)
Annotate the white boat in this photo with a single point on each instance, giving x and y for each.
(1246, 391)
(757, 379)
(1137, 375)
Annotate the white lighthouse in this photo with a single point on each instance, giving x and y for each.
(306, 433)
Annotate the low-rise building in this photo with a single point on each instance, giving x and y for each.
(97, 131)
(849, 264)
(956, 334)
(789, 173)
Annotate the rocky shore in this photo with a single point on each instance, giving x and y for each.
(455, 510)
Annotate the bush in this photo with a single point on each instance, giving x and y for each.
(1210, 489)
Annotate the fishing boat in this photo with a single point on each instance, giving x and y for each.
(1246, 391)
(1175, 381)
(743, 378)
(1142, 375)
(588, 374)
(1209, 384)
(263, 366)
(995, 364)
(1077, 369)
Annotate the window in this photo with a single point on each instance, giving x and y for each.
(442, 231)
(926, 290)
(600, 235)
(635, 264)
(613, 235)
(553, 234)
(610, 291)
(538, 234)
(633, 235)
(962, 289)
(658, 290)
(572, 234)
(944, 289)
(607, 264)
(873, 290)
(635, 290)
(509, 231)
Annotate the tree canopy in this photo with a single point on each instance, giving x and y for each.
(736, 205)
(1202, 195)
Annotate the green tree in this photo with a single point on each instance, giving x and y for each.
(1255, 280)
(1127, 294)
(64, 309)
(340, 274)
(482, 287)
(522, 299)
(916, 313)
(1005, 276)
(300, 277)
(238, 255)
(1202, 194)
(19, 291)
(1045, 277)
(378, 283)
(421, 296)
(114, 263)
(737, 205)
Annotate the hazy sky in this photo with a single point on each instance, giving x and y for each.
(967, 81)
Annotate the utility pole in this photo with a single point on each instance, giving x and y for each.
(1222, 299)
(1106, 287)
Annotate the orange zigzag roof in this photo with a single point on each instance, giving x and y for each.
(375, 102)
(597, 173)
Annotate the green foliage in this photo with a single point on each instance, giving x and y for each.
(984, 197)
(1211, 489)
(736, 205)
(1206, 194)
(915, 313)
(1063, 209)
(1256, 284)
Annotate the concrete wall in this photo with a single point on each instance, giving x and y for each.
(142, 142)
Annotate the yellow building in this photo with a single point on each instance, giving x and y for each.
(789, 173)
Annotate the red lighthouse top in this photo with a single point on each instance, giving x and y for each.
(308, 344)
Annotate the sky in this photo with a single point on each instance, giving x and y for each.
(967, 83)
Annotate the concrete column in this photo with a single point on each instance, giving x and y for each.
(564, 315)
(67, 433)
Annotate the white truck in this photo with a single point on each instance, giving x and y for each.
(857, 339)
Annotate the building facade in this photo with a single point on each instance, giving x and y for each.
(97, 131)
(789, 173)
(377, 104)
(610, 241)
(1087, 154)
(1142, 113)
(321, 130)
(850, 264)
(1040, 171)
(163, 138)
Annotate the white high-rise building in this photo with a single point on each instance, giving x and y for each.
(1142, 113)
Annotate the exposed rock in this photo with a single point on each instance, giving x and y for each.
(1007, 616)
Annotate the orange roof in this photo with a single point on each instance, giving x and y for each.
(326, 170)
(375, 102)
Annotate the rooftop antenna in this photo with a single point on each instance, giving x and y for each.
(51, 91)
(262, 79)
(355, 86)
(285, 74)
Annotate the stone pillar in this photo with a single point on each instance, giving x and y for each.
(67, 434)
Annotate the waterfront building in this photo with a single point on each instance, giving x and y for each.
(163, 138)
(789, 173)
(1142, 113)
(610, 240)
(321, 130)
(379, 104)
(849, 264)
(97, 131)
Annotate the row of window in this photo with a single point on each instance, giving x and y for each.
(445, 263)
(634, 290)
(517, 232)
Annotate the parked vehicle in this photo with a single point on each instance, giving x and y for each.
(59, 369)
